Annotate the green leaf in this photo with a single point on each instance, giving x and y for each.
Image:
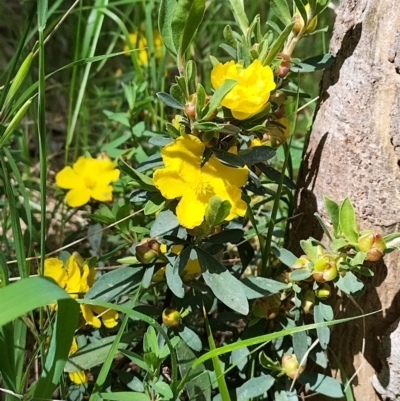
(201, 101)
(265, 338)
(281, 9)
(358, 259)
(309, 248)
(275, 175)
(154, 204)
(300, 275)
(234, 236)
(240, 14)
(186, 18)
(229, 158)
(169, 100)
(339, 243)
(222, 387)
(333, 210)
(285, 256)
(321, 5)
(200, 381)
(253, 388)
(174, 281)
(222, 283)
(164, 389)
(347, 219)
(95, 353)
(217, 211)
(208, 126)
(350, 284)
(38, 292)
(322, 384)
(145, 181)
(314, 63)
(257, 154)
(115, 283)
(165, 15)
(191, 76)
(257, 287)
(59, 347)
(218, 96)
(125, 396)
(165, 221)
(323, 333)
(276, 46)
(190, 338)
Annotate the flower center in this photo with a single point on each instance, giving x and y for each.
(203, 189)
(90, 182)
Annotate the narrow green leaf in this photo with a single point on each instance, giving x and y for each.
(347, 220)
(37, 292)
(285, 256)
(59, 347)
(257, 154)
(234, 236)
(277, 45)
(223, 388)
(333, 211)
(186, 18)
(165, 14)
(240, 14)
(165, 222)
(169, 100)
(154, 204)
(229, 158)
(271, 336)
(218, 96)
(281, 9)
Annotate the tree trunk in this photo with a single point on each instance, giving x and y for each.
(354, 150)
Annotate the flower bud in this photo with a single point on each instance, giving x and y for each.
(323, 291)
(284, 66)
(147, 251)
(190, 107)
(372, 244)
(301, 263)
(299, 21)
(291, 366)
(171, 317)
(308, 302)
(325, 269)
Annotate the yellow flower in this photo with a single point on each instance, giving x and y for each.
(88, 178)
(183, 177)
(75, 277)
(78, 377)
(251, 93)
(140, 43)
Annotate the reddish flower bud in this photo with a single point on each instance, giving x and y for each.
(372, 244)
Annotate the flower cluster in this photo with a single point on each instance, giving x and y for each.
(185, 177)
(88, 179)
(75, 277)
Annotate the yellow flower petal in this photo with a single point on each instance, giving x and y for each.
(53, 267)
(191, 209)
(78, 377)
(169, 183)
(68, 178)
(108, 316)
(187, 149)
(102, 193)
(77, 197)
(89, 316)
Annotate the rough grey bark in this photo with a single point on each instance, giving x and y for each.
(354, 150)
